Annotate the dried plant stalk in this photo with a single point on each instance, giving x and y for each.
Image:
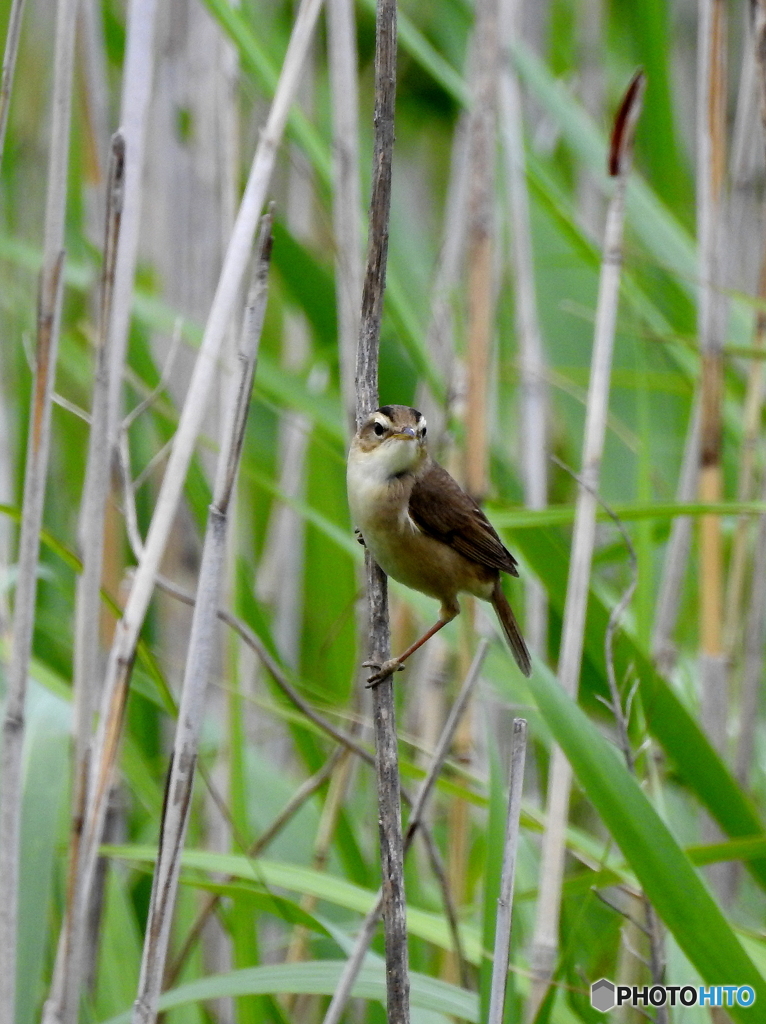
(545, 940)
(534, 396)
(677, 551)
(190, 422)
(479, 246)
(502, 951)
(136, 92)
(38, 446)
(9, 68)
(711, 133)
(364, 938)
(201, 655)
(88, 597)
(347, 196)
(384, 717)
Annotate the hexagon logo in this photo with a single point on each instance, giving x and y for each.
(602, 995)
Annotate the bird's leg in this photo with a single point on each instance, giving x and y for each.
(397, 664)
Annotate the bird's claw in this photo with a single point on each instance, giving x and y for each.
(383, 671)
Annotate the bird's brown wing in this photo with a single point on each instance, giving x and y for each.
(442, 509)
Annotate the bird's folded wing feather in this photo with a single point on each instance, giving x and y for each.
(442, 509)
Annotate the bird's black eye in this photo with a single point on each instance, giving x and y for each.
(379, 429)
(424, 431)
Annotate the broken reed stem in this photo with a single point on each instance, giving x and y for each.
(711, 162)
(364, 938)
(201, 653)
(346, 188)
(502, 951)
(190, 422)
(38, 446)
(65, 1001)
(545, 939)
(9, 68)
(534, 397)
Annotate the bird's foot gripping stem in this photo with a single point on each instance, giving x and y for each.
(383, 671)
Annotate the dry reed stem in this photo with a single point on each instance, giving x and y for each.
(677, 550)
(364, 938)
(137, 79)
(65, 1003)
(346, 189)
(440, 342)
(711, 164)
(384, 718)
(9, 68)
(502, 950)
(545, 940)
(482, 125)
(754, 625)
(38, 446)
(532, 369)
(190, 422)
(202, 651)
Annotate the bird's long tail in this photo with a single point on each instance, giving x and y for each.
(511, 629)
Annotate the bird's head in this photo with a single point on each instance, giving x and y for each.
(392, 439)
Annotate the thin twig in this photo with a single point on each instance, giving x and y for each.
(364, 938)
(256, 645)
(304, 792)
(38, 446)
(502, 950)
(201, 653)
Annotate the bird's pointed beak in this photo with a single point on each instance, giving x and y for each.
(406, 434)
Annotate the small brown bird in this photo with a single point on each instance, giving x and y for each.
(422, 528)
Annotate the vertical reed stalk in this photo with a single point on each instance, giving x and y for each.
(136, 91)
(346, 188)
(9, 68)
(88, 598)
(711, 327)
(384, 718)
(354, 962)
(711, 163)
(38, 446)
(677, 551)
(479, 247)
(502, 951)
(201, 655)
(545, 940)
(534, 397)
(190, 422)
